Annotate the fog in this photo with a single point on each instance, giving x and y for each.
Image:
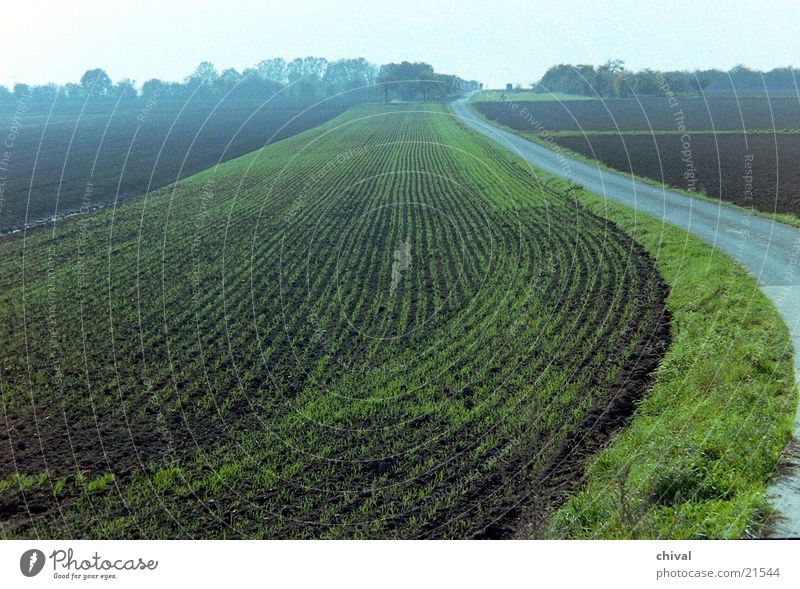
(494, 42)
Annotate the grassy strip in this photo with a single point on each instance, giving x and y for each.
(524, 96)
(786, 218)
(654, 132)
(535, 96)
(696, 460)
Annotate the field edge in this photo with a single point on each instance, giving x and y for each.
(730, 350)
(705, 462)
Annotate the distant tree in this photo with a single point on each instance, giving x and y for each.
(429, 85)
(306, 67)
(782, 78)
(177, 91)
(362, 72)
(677, 81)
(610, 78)
(46, 93)
(384, 79)
(22, 91)
(273, 70)
(450, 85)
(404, 78)
(227, 80)
(569, 79)
(205, 73)
(96, 82)
(699, 84)
(151, 89)
(645, 82)
(253, 85)
(439, 86)
(72, 91)
(201, 82)
(347, 74)
(305, 76)
(586, 80)
(125, 90)
(744, 78)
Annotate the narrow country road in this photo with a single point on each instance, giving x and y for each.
(769, 250)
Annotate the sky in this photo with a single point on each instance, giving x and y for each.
(494, 42)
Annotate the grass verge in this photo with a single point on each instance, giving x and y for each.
(524, 96)
(697, 458)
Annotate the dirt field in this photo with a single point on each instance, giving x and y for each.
(68, 162)
(754, 170)
(629, 114)
(739, 150)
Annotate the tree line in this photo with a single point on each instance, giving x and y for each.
(304, 78)
(411, 81)
(614, 80)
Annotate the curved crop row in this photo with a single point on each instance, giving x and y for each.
(382, 327)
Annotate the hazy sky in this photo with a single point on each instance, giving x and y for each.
(495, 41)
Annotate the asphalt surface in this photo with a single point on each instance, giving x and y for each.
(769, 250)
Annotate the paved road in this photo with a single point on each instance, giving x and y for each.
(768, 249)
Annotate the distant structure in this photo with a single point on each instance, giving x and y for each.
(509, 87)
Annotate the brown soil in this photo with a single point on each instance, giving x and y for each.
(757, 171)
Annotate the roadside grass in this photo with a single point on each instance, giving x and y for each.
(650, 133)
(787, 218)
(696, 460)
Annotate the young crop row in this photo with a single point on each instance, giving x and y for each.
(383, 327)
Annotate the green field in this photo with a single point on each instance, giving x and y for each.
(382, 327)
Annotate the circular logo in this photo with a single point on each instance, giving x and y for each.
(31, 562)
